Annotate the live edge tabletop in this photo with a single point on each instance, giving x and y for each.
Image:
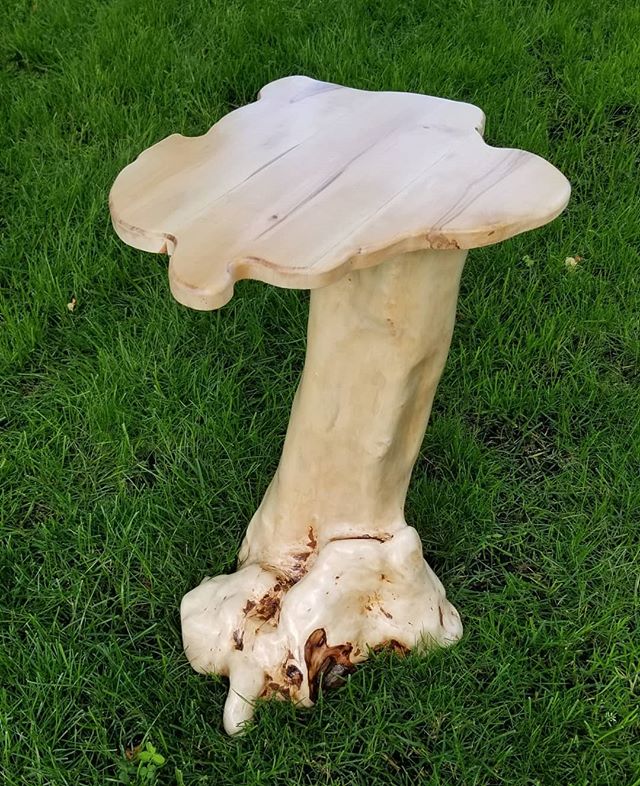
(314, 179)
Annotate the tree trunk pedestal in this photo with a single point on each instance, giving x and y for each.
(371, 201)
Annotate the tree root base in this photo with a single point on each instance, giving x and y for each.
(277, 636)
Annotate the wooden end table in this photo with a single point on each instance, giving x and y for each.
(370, 200)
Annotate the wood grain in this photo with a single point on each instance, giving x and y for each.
(315, 179)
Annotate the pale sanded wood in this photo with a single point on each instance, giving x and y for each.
(314, 185)
(329, 568)
(314, 179)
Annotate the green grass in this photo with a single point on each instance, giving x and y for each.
(137, 437)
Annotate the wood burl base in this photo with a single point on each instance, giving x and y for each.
(329, 569)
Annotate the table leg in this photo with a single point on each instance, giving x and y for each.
(329, 568)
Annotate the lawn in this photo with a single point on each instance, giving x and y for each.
(137, 437)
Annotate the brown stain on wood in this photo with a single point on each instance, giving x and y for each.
(268, 607)
(286, 683)
(312, 542)
(392, 646)
(248, 607)
(382, 537)
(273, 689)
(300, 565)
(294, 675)
(326, 665)
(374, 603)
(238, 637)
(441, 242)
